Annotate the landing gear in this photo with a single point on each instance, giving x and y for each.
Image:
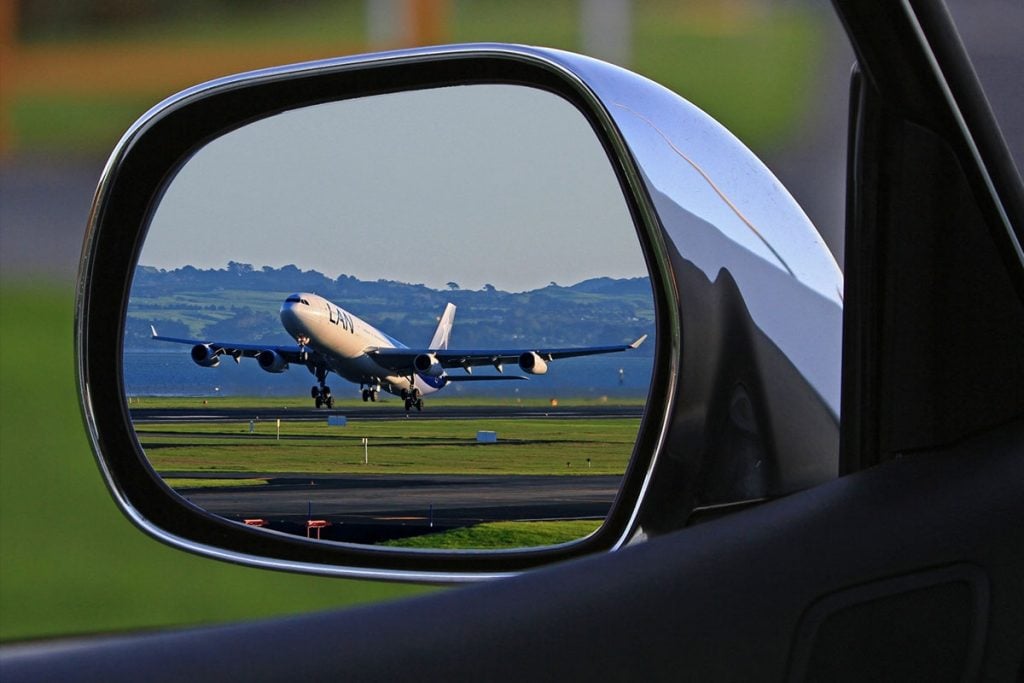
(412, 399)
(321, 393)
(322, 396)
(370, 395)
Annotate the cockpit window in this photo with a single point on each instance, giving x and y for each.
(293, 299)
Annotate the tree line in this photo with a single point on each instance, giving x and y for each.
(241, 303)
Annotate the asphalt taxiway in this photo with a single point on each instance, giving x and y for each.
(401, 505)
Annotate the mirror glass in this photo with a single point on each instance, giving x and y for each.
(412, 319)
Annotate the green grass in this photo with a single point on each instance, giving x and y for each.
(69, 560)
(502, 535)
(218, 483)
(69, 122)
(525, 446)
(193, 309)
(752, 71)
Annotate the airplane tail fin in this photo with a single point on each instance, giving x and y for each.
(444, 329)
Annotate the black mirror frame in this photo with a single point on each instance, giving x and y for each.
(141, 167)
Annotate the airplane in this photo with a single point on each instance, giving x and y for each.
(330, 339)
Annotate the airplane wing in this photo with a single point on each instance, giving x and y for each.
(214, 349)
(401, 360)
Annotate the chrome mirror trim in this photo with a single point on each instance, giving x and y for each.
(657, 141)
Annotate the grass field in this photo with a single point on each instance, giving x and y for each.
(502, 535)
(750, 68)
(185, 483)
(69, 561)
(525, 446)
(245, 454)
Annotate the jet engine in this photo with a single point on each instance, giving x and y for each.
(532, 363)
(427, 364)
(271, 361)
(205, 356)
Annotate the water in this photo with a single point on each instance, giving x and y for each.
(172, 373)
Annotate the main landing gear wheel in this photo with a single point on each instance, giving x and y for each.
(322, 396)
(370, 395)
(412, 398)
(320, 392)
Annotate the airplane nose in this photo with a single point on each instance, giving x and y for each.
(299, 316)
(291, 318)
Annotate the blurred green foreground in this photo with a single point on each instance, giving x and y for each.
(69, 561)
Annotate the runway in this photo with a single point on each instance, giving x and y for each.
(376, 412)
(370, 508)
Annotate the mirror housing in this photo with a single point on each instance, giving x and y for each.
(744, 402)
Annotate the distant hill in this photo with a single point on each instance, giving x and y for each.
(241, 303)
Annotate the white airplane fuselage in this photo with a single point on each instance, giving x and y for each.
(343, 340)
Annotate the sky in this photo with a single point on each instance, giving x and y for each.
(476, 184)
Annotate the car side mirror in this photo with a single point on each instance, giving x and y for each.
(695, 261)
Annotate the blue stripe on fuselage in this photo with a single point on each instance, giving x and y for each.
(435, 382)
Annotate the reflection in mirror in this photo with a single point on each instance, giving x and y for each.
(412, 319)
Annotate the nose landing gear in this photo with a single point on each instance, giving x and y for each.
(371, 394)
